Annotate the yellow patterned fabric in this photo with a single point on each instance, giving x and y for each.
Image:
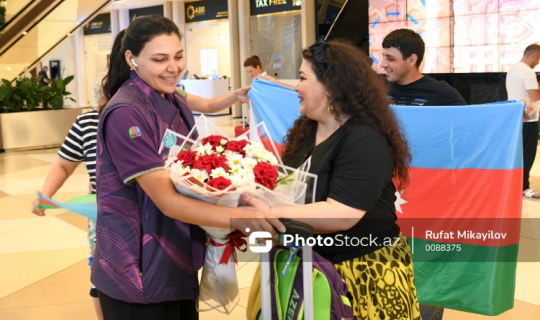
(382, 284)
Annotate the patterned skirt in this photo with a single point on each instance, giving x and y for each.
(382, 284)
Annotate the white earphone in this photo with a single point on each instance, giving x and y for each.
(134, 64)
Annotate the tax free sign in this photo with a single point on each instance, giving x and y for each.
(258, 7)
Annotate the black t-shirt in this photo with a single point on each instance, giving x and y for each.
(355, 166)
(424, 92)
(44, 74)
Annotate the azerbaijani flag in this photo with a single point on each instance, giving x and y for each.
(84, 205)
(462, 209)
(466, 180)
(277, 106)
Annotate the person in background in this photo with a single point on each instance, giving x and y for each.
(148, 247)
(403, 52)
(356, 149)
(521, 83)
(79, 145)
(44, 80)
(276, 81)
(253, 67)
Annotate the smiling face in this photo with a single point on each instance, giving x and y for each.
(395, 67)
(312, 93)
(160, 62)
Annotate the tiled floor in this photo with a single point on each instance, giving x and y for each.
(43, 267)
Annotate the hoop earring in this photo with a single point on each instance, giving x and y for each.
(331, 108)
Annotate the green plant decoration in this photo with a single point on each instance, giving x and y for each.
(26, 94)
(57, 91)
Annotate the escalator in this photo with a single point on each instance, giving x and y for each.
(34, 28)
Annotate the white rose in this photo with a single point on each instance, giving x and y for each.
(223, 142)
(220, 149)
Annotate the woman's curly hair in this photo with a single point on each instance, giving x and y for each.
(357, 91)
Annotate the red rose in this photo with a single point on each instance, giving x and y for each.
(214, 141)
(237, 146)
(209, 162)
(219, 162)
(219, 183)
(188, 157)
(266, 175)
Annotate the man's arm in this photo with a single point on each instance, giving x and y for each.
(534, 94)
(216, 104)
(529, 111)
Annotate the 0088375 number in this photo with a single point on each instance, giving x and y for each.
(443, 247)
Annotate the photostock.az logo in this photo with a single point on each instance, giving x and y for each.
(255, 246)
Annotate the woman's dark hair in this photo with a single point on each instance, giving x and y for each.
(139, 32)
(253, 61)
(355, 91)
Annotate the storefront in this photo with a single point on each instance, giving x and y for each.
(276, 36)
(207, 49)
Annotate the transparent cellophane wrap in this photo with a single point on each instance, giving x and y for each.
(219, 284)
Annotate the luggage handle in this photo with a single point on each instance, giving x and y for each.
(297, 228)
(302, 230)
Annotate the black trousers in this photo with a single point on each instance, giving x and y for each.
(530, 142)
(170, 310)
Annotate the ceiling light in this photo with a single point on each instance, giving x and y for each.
(24, 33)
(8, 69)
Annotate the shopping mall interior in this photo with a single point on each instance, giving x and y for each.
(44, 272)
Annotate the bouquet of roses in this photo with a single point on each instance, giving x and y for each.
(209, 166)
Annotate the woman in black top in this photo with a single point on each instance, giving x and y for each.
(357, 151)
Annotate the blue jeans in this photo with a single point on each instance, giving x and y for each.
(431, 312)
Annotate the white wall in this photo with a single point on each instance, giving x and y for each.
(66, 55)
(96, 47)
(208, 35)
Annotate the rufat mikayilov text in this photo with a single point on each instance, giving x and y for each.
(464, 234)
